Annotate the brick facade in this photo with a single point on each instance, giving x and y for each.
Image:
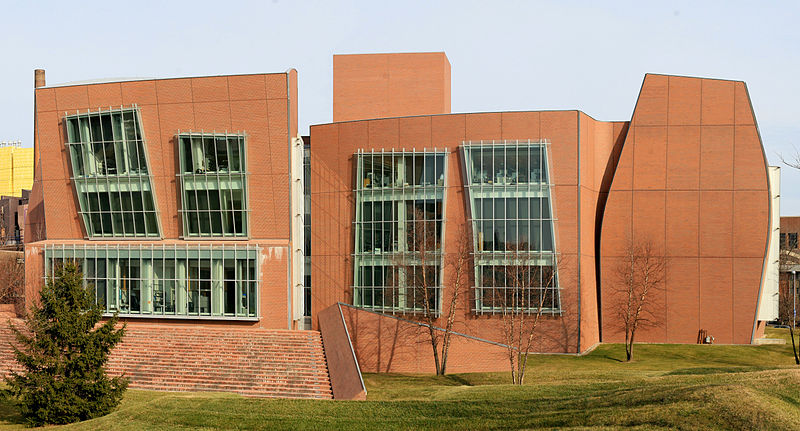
(262, 106)
(687, 172)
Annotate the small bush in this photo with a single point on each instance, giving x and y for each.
(63, 352)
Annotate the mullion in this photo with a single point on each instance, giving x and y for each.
(195, 211)
(230, 210)
(140, 185)
(218, 192)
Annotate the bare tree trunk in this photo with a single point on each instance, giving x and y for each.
(639, 274)
(630, 348)
(460, 263)
(435, 345)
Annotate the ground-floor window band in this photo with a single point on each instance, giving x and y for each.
(189, 281)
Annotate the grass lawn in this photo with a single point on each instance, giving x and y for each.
(667, 387)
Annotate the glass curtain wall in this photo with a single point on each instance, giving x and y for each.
(398, 230)
(213, 172)
(167, 281)
(511, 211)
(111, 174)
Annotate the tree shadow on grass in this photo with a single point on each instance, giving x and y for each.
(9, 413)
(458, 379)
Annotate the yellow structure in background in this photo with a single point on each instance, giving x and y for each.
(16, 168)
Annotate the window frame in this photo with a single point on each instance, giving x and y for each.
(506, 185)
(396, 188)
(148, 279)
(216, 178)
(88, 185)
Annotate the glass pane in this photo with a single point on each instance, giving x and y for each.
(523, 165)
(76, 157)
(235, 158)
(222, 154)
(186, 161)
(439, 172)
(209, 158)
(536, 165)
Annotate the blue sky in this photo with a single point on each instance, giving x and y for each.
(505, 55)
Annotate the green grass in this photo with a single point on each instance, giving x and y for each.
(667, 387)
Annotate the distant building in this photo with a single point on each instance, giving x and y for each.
(13, 210)
(790, 270)
(16, 168)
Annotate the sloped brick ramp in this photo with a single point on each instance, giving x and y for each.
(250, 362)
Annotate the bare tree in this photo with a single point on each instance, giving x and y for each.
(12, 278)
(793, 160)
(640, 274)
(419, 269)
(523, 290)
(458, 265)
(789, 260)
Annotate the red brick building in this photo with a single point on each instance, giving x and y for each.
(222, 242)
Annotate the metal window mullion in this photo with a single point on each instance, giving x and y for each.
(218, 191)
(230, 211)
(249, 283)
(195, 211)
(208, 192)
(141, 191)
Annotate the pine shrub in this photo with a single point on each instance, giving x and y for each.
(63, 350)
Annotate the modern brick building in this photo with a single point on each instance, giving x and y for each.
(184, 201)
(174, 194)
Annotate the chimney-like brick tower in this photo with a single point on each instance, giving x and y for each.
(38, 81)
(367, 86)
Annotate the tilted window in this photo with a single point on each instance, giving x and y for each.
(213, 175)
(398, 230)
(219, 281)
(111, 174)
(512, 223)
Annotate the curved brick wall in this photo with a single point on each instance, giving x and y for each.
(692, 178)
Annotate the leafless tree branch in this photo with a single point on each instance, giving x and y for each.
(640, 273)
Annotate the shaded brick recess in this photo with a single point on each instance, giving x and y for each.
(251, 362)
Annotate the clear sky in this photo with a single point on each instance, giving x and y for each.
(505, 55)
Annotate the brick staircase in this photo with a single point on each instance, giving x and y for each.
(7, 361)
(250, 362)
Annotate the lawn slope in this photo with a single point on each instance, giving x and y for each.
(667, 387)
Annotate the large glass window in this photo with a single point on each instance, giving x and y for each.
(167, 281)
(398, 230)
(513, 226)
(214, 185)
(111, 175)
